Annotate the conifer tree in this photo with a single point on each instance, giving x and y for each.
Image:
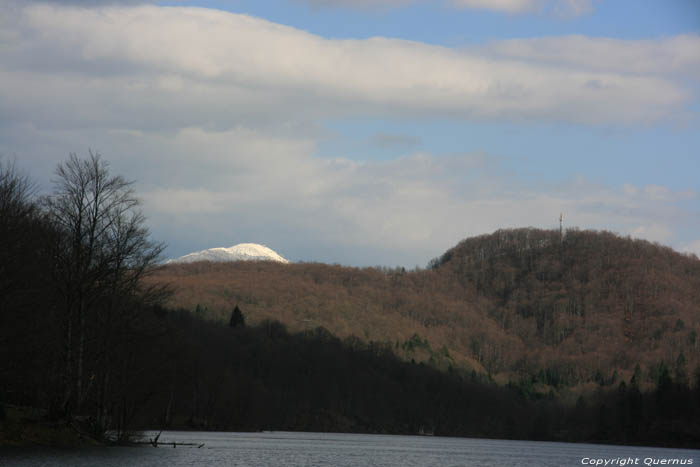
(237, 318)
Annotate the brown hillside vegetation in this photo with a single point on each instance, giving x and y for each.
(522, 305)
(416, 313)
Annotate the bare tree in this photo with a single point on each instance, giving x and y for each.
(101, 257)
(16, 208)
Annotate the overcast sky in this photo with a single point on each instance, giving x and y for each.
(366, 132)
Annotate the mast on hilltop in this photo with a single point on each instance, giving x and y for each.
(561, 227)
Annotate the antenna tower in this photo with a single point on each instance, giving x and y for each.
(561, 227)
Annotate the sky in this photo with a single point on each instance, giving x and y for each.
(366, 132)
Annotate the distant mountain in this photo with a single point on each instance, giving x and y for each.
(240, 252)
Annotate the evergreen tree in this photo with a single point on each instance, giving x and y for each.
(681, 372)
(636, 377)
(237, 318)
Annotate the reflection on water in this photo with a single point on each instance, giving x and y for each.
(283, 449)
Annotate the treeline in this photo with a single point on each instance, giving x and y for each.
(205, 375)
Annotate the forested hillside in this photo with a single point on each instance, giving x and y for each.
(560, 309)
(596, 302)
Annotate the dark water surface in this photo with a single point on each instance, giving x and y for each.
(283, 449)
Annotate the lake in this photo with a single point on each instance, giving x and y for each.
(285, 449)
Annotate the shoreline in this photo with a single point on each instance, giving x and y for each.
(32, 431)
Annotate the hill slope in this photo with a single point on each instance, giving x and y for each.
(522, 305)
(592, 297)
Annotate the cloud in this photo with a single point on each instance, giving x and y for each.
(404, 211)
(573, 8)
(692, 248)
(565, 8)
(91, 3)
(196, 67)
(216, 115)
(679, 54)
(387, 140)
(509, 6)
(562, 8)
(659, 193)
(654, 232)
(359, 4)
(204, 188)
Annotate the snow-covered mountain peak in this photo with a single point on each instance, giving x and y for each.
(240, 252)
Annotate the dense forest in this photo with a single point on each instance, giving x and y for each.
(570, 310)
(98, 339)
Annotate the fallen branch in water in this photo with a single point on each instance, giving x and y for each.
(155, 443)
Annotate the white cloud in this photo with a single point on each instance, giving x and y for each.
(205, 188)
(403, 211)
(659, 193)
(679, 54)
(654, 232)
(194, 67)
(693, 248)
(509, 6)
(215, 114)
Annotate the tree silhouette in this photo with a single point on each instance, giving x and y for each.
(237, 318)
(101, 256)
